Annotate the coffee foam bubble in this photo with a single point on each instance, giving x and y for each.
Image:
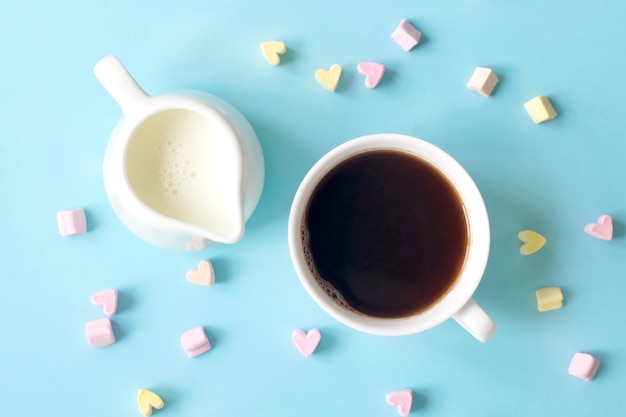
(328, 288)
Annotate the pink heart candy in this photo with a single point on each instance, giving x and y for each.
(402, 399)
(306, 342)
(603, 229)
(203, 274)
(373, 72)
(107, 299)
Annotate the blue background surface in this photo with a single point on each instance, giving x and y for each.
(552, 178)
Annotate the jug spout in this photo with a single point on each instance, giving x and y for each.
(229, 227)
(227, 230)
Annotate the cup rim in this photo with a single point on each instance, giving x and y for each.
(476, 257)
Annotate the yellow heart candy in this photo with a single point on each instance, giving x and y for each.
(148, 400)
(328, 79)
(533, 241)
(272, 51)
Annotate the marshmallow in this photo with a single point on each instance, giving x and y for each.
(402, 400)
(549, 298)
(603, 229)
(195, 342)
(406, 35)
(583, 366)
(483, 81)
(532, 242)
(272, 51)
(203, 274)
(147, 400)
(196, 243)
(329, 79)
(373, 72)
(99, 333)
(306, 342)
(540, 109)
(107, 299)
(72, 222)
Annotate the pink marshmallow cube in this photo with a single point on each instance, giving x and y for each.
(72, 222)
(99, 333)
(195, 342)
(483, 81)
(406, 35)
(583, 366)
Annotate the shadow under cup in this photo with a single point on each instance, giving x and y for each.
(389, 234)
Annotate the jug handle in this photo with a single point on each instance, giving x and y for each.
(120, 84)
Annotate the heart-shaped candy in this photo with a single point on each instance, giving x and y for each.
(147, 400)
(329, 79)
(306, 342)
(107, 299)
(203, 274)
(603, 229)
(373, 72)
(196, 243)
(272, 51)
(402, 399)
(533, 241)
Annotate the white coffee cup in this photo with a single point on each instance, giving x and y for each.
(457, 303)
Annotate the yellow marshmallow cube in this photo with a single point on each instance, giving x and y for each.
(540, 109)
(549, 298)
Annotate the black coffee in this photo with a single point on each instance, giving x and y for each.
(388, 231)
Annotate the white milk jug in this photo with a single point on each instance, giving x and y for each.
(182, 170)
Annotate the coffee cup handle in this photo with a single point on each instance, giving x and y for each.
(474, 319)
